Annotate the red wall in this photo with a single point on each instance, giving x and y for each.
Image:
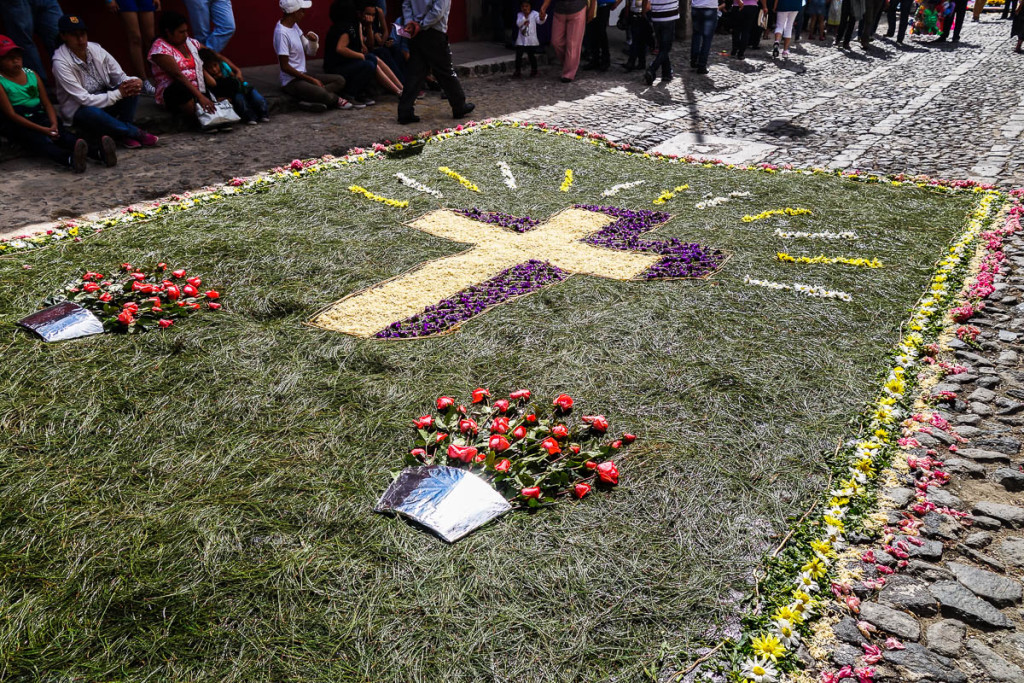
(252, 43)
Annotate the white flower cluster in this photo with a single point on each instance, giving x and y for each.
(826, 235)
(506, 174)
(417, 185)
(806, 290)
(615, 189)
(716, 201)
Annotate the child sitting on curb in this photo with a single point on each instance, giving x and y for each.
(223, 79)
(292, 46)
(29, 118)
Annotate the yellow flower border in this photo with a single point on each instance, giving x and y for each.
(828, 260)
(669, 194)
(455, 175)
(399, 203)
(787, 211)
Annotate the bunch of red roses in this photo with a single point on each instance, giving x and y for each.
(532, 453)
(133, 301)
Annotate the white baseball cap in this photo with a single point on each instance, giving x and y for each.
(289, 6)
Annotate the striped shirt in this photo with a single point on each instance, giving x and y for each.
(664, 10)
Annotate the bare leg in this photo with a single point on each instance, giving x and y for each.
(387, 78)
(134, 39)
(785, 44)
(147, 32)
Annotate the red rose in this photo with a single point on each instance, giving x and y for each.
(531, 418)
(590, 464)
(126, 266)
(131, 307)
(480, 457)
(439, 437)
(499, 425)
(195, 307)
(178, 273)
(575, 448)
(463, 453)
(581, 489)
(519, 432)
(156, 309)
(503, 466)
(628, 438)
(105, 297)
(550, 445)
(445, 402)
(139, 286)
(560, 431)
(213, 306)
(424, 422)
(617, 444)
(161, 266)
(501, 405)
(521, 395)
(172, 292)
(461, 409)
(480, 394)
(165, 323)
(125, 318)
(189, 290)
(194, 281)
(90, 287)
(608, 472)
(498, 443)
(563, 402)
(212, 294)
(597, 422)
(466, 426)
(418, 453)
(530, 492)
(138, 277)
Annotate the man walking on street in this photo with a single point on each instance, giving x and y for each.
(959, 12)
(429, 52)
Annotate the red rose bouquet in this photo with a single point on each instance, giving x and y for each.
(531, 453)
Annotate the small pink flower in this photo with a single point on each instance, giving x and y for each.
(872, 653)
(853, 603)
(865, 674)
(893, 644)
(866, 628)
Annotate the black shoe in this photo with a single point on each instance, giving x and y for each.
(108, 151)
(940, 39)
(846, 45)
(466, 110)
(956, 39)
(408, 118)
(702, 70)
(648, 78)
(79, 155)
(566, 80)
(890, 34)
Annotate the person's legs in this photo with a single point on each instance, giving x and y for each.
(95, 122)
(638, 48)
(199, 19)
(748, 19)
(737, 34)
(133, 36)
(439, 61)
(846, 24)
(696, 38)
(559, 27)
(979, 6)
(532, 54)
(519, 59)
(667, 36)
(257, 103)
(575, 25)
(415, 74)
(223, 18)
(906, 6)
(604, 13)
(307, 92)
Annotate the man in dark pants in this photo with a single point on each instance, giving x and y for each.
(429, 53)
(959, 12)
(903, 7)
(1009, 7)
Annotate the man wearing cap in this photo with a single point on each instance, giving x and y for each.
(22, 18)
(427, 26)
(292, 46)
(93, 92)
(213, 22)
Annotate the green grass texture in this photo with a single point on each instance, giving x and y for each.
(196, 504)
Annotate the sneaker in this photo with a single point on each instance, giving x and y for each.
(131, 143)
(352, 104)
(421, 94)
(318, 107)
(344, 104)
(775, 50)
(79, 155)
(251, 122)
(148, 139)
(785, 54)
(648, 78)
(264, 119)
(367, 102)
(148, 89)
(108, 151)
(703, 70)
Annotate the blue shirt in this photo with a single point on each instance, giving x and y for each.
(428, 13)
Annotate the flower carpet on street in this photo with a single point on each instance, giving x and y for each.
(198, 503)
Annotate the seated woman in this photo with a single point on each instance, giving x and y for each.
(346, 54)
(94, 93)
(27, 117)
(378, 41)
(178, 69)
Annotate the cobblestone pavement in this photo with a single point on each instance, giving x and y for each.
(951, 110)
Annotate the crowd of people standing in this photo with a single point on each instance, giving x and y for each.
(180, 62)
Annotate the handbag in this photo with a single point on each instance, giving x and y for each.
(222, 113)
(762, 19)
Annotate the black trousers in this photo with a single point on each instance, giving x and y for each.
(1009, 7)
(903, 7)
(429, 53)
(959, 12)
(743, 26)
(596, 36)
(529, 51)
(846, 23)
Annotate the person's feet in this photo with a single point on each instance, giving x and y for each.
(566, 80)
(648, 78)
(405, 119)
(131, 143)
(785, 54)
(79, 155)
(775, 50)
(108, 151)
(703, 70)
(466, 110)
(148, 139)
(367, 102)
(148, 89)
(344, 104)
(316, 107)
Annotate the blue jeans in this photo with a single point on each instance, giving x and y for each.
(115, 121)
(666, 33)
(704, 19)
(250, 106)
(22, 18)
(218, 12)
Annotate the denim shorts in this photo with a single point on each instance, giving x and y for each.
(136, 5)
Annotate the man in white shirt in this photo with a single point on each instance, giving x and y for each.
(93, 92)
(292, 46)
